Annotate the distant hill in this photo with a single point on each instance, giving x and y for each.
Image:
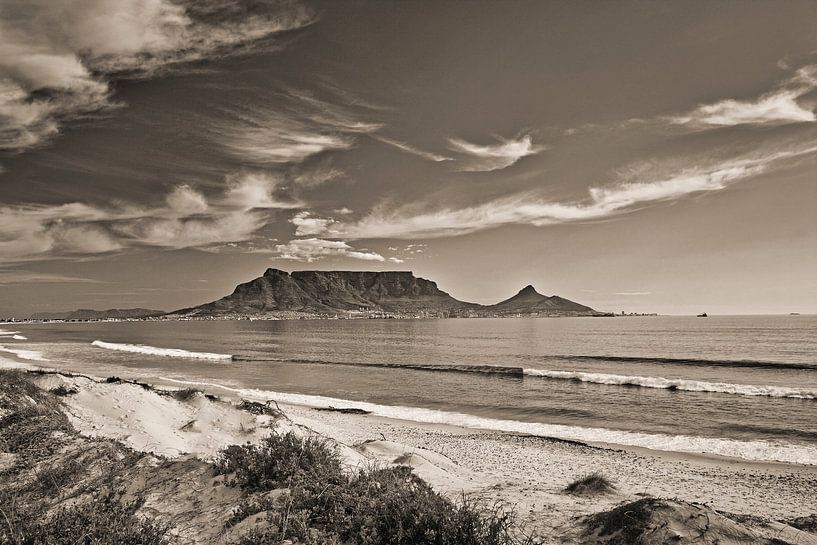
(397, 292)
(530, 301)
(90, 314)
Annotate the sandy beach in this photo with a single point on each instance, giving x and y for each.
(526, 472)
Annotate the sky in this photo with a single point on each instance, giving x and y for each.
(632, 156)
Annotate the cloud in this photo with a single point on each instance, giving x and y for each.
(633, 293)
(12, 277)
(417, 222)
(300, 126)
(56, 56)
(314, 177)
(307, 224)
(311, 249)
(494, 157)
(186, 201)
(192, 232)
(780, 106)
(257, 190)
(186, 219)
(411, 149)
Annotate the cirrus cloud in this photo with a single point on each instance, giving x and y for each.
(780, 106)
(485, 158)
(415, 221)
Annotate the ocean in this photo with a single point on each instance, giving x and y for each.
(741, 386)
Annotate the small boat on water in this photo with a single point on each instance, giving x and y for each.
(702, 315)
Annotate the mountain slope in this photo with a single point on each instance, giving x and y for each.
(529, 301)
(90, 314)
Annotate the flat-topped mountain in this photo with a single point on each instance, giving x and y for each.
(394, 292)
(530, 301)
(333, 291)
(91, 314)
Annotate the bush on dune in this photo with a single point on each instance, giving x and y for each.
(594, 483)
(279, 461)
(323, 505)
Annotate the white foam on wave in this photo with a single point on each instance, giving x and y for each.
(4, 333)
(202, 384)
(677, 384)
(165, 352)
(19, 337)
(23, 354)
(748, 450)
(6, 363)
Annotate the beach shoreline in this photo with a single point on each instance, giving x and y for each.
(527, 472)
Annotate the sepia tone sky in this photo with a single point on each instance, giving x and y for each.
(637, 156)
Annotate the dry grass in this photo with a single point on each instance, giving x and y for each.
(589, 485)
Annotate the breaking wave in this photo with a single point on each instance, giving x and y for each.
(439, 368)
(756, 364)
(19, 337)
(32, 355)
(676, 384)
(165, 352)
(759, 450)
(580, 376)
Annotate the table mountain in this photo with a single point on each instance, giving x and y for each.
(331, 292)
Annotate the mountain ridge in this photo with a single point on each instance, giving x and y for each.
(91, 314)
(392, 292)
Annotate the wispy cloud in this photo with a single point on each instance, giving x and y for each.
(186, 219)
(57, 55)
(312, 249)
(301, 125)
(779, 106)
(13, 277)
(417, 222)
(412, 150)
(484, 158)
(633, 293)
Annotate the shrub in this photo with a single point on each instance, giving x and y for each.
(324, 506)
(62, 391)
(280, 460)
(186, 394)
(253, 407)
(594, 483)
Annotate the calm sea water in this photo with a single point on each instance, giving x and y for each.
(741, 386)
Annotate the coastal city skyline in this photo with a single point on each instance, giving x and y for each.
(632, 157)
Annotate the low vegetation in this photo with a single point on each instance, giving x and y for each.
(319, 504)
(99, 521)
(58, 488)
(592, 484)
(49, 494)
